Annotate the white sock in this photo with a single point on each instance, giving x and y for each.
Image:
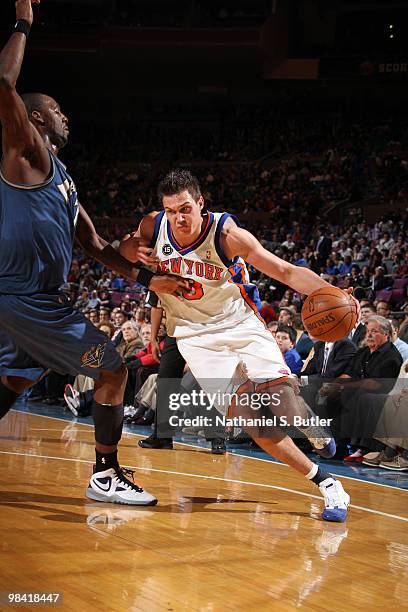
(312, 472)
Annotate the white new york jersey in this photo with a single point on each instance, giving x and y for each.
(221, 297)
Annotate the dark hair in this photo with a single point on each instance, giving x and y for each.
(370, 306)
(177, 181)
(33, 102)
(285, 329)
(289, 311)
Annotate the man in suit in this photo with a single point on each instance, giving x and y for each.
(330, 359)
(358, 334)
(323, 247)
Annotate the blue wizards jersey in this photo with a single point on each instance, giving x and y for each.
(37, 227)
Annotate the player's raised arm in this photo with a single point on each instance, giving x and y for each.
(240, 242)
(100, 249)
(21, 143)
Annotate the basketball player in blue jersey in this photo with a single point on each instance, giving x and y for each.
(39, 218)
(216, 323)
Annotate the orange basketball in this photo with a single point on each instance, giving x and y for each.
(329, 314)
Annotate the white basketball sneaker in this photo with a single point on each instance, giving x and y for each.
(336, 500)
(71, 397)
(113, 486)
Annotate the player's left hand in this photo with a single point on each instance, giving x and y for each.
(169, 283)
(357, 303)
(131, 249)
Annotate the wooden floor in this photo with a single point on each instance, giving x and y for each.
(229, 532)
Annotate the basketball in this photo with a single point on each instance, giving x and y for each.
(329, 314)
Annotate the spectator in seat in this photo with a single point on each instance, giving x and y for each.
(373, 369)
(403, 332)
(286, 316)
(104, 315)
(365, 277)
(398, 343)
(386, 242)
(82, 301)
(287, 299)
(286, 340)
(267, 312)
(141, 363)
(345, 267)
(304, 343)
(383, 309)
(119, 319)
(94, 300)
(131, 341)
(94, 316)
(358, 334)
(105, 300)
(379, 280)
(330, 359)
(323, 247)
(273, 326)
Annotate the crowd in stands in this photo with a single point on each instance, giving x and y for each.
(289, 169)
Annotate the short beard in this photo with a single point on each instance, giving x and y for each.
(59, 140)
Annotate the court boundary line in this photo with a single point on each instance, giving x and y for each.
(218, 478)
(276, 462)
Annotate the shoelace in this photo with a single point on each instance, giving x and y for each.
(122, 474)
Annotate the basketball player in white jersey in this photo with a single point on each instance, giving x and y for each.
(216, 323)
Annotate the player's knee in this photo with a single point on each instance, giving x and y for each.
(285, 390)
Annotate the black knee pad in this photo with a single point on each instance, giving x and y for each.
(108, 422)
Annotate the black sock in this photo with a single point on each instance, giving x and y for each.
(320, 476)
(105, 461)
(7, 399)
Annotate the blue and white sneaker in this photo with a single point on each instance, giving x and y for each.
(336, 500)
(325, 447)
(113, 486)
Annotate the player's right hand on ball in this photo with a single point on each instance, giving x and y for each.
(169, 283)
(24, 10)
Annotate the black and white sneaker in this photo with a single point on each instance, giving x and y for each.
(113, 486)
(71, 397)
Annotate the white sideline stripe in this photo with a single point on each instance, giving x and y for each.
(242, 482)
(130, 433)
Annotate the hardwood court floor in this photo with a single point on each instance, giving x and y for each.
(229, 533)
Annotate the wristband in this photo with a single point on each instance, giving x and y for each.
(22, 26)
(144, 277)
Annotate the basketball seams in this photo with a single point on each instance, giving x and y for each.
(329, 331)
(321, 312)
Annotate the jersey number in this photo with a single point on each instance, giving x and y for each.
(195, 292)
